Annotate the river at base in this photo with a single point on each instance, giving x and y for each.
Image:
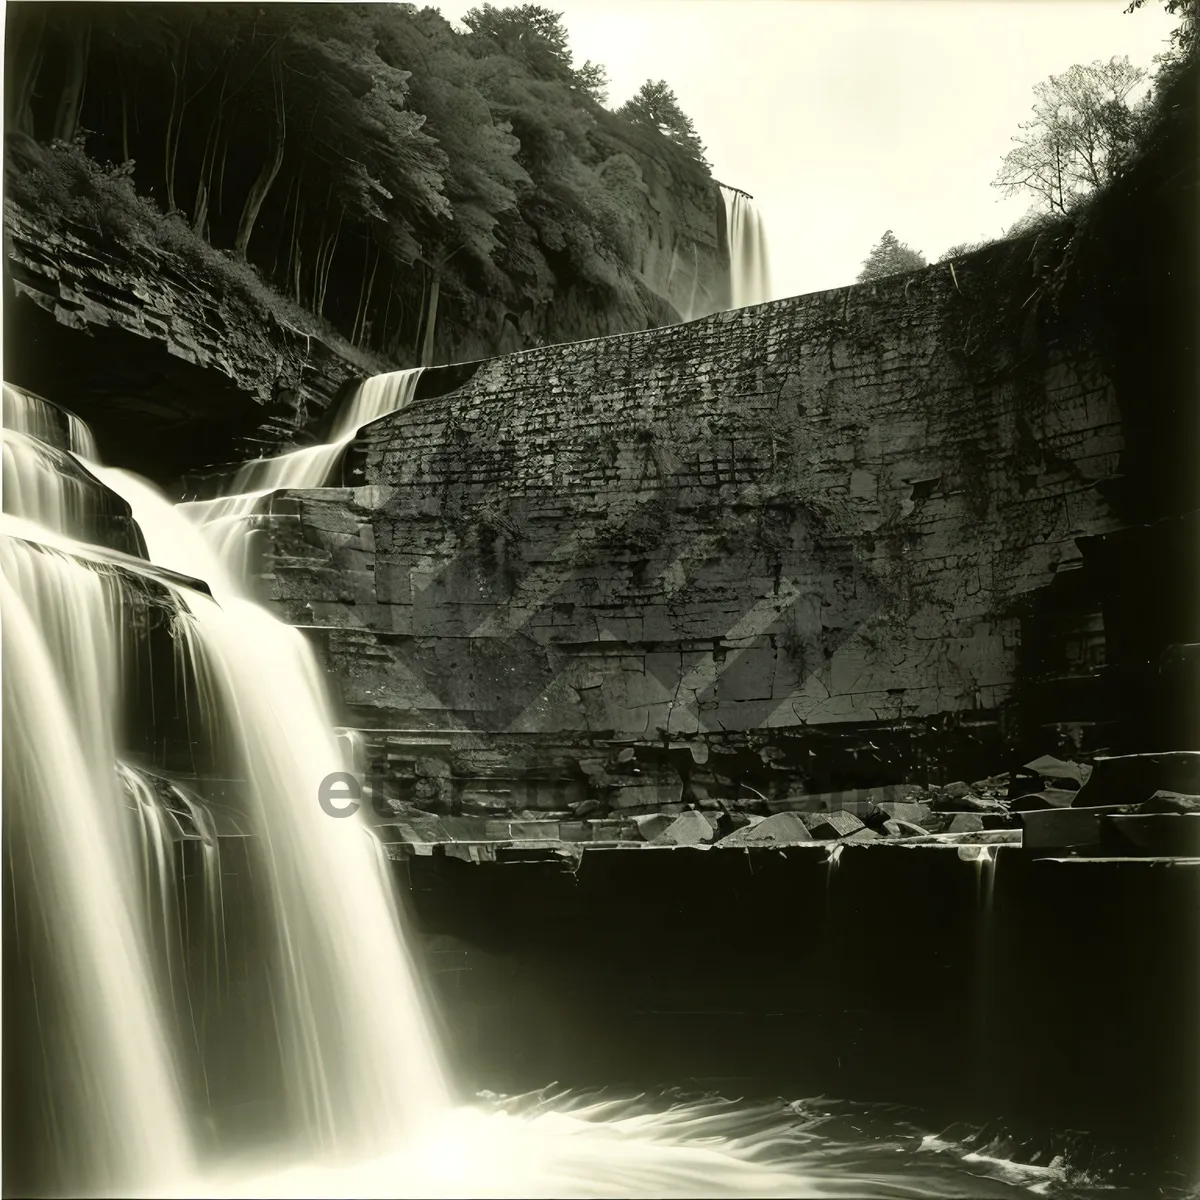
(670, 1143)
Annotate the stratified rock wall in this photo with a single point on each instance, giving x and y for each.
(856, 508)
(209, 374)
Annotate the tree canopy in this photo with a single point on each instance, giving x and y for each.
(1083, 128)
(890, 257)
(654, 104)
(536, 36)
(369, 160)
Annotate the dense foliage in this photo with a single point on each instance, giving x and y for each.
(656, 106)
(890, 257)
(368, 159)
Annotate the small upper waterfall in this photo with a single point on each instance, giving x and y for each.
(749, 273)
(225, 517)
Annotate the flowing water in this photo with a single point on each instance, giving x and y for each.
(749, 271)
(367, 1106)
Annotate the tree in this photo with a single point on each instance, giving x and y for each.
(1083, 128)
(1184, 35)
(536, 36)
(656, 105)
(890, 257)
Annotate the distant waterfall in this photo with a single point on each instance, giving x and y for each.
(749, 273)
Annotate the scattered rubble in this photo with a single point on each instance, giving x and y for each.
(966, 823)
(1131, 804)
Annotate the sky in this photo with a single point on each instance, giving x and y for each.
(845, 118)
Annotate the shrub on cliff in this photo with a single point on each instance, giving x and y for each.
(1082, 131)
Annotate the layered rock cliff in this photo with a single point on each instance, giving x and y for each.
(855, 511)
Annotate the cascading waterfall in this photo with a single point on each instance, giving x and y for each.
(224, 518)
(367, 1102)
(111, 1095)
(749, 273)
(358, 1070)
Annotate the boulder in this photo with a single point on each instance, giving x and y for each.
(1046, 798)
(741, 835)
(1065, 774)
(966, 823)
(906, 811)
(654, 824)
(993, 783)
(782, 829)
(1170, 802)
(740, 820)
(832, 825)
(688, 829)
(862, 835)
(902, 829)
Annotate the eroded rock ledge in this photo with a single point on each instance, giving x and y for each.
(176, 368)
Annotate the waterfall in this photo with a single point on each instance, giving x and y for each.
(225, 518)
(749, 273)
(365, 1102)
(110, 1093)
(359, 1068)
(361, 1064)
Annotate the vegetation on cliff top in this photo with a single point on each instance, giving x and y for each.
(380, 168)
(890, 257)
(1090, 125)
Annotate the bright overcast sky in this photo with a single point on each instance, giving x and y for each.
(844, 118)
